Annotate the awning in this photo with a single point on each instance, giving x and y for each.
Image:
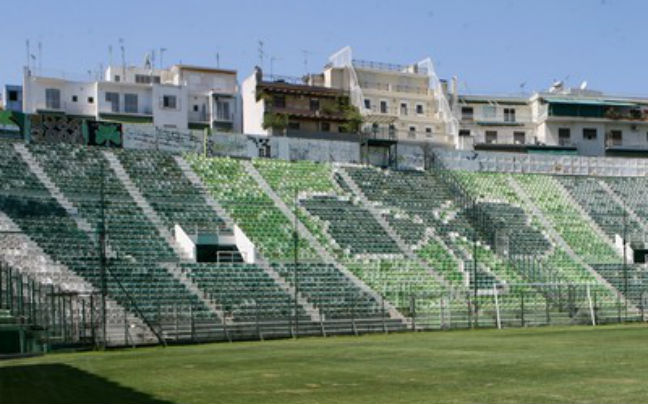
(586, 101)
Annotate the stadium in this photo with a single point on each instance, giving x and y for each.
(346, 231)
(113, 248)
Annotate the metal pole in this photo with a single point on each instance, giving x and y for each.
(475, 308)
(497, 308)
(625, 266)
(295, 271)
(102, 255)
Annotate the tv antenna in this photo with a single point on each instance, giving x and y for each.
(306, 53)
(260, 52)
(272, 60)
(40, 57)
(162, 50)
(217, 59)
(123, 56)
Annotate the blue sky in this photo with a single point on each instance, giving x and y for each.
(492, 46)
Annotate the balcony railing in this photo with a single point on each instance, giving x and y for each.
(396, 88)
(367, 64)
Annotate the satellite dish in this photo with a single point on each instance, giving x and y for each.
(583, 85)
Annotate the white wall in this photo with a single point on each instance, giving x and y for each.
(253, 110)
(167, 117)
(144, 97)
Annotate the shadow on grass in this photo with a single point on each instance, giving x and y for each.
(58, 383)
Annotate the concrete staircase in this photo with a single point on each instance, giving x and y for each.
(559, 240)
(321, 251)
(30, 259)
(387, 227)
(311, 310)
(631, 213)
(153, 217)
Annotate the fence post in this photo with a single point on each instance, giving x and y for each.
(497, 308)
(256, 319)
(591, 305)
(353, 324)
(547, 312)
(382, 304)
(522, 306)
(442, 312)
(412, 310)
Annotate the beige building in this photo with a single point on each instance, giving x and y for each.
(397, 102)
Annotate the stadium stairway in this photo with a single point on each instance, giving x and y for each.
(29, 258)
(134, 247)
(640, 223)
(261, 260)
(387, 227)
(321, 251)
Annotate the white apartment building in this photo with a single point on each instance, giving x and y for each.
(585, 122)
(180, 97)
(487, 119)
(397, 102)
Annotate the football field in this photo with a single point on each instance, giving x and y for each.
(605, 364)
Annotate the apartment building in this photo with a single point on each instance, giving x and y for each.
(397, 102)
(491, 120)
(291, 106)
(180, 97)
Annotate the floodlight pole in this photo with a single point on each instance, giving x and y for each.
(296, 259)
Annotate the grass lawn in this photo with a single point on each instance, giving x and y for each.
(571, 364)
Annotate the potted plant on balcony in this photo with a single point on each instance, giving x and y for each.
(352, 117)
(275, 121)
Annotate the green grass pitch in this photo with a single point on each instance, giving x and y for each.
(607, 364)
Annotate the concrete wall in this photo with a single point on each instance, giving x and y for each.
(253, 110)
(170, 118)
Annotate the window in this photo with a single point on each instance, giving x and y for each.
(130, 103)
(589, 133)
(491, 137)
(113, 99)
(464, 132)
(90, 100)
(383, 107)
(466, 113)
(392, 129)
(412, 132)
(293, 125)
(564, 136)
(489, 111)
(428, 130)
(419, 109)
(13, 95)
(146, 79)
(279, 101)
(314, 105)
(403, 108)
(75, 98)
(509, 114)
(195, 108)
(117, 78)
(169, 101)
(223, 111)
(519, 137)
(52, 98)
(326, 127)
(616, 138)
(367, 103)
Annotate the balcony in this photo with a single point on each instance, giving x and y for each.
(43, 106)
(221, 116)
(389, 67)
(394, 88)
